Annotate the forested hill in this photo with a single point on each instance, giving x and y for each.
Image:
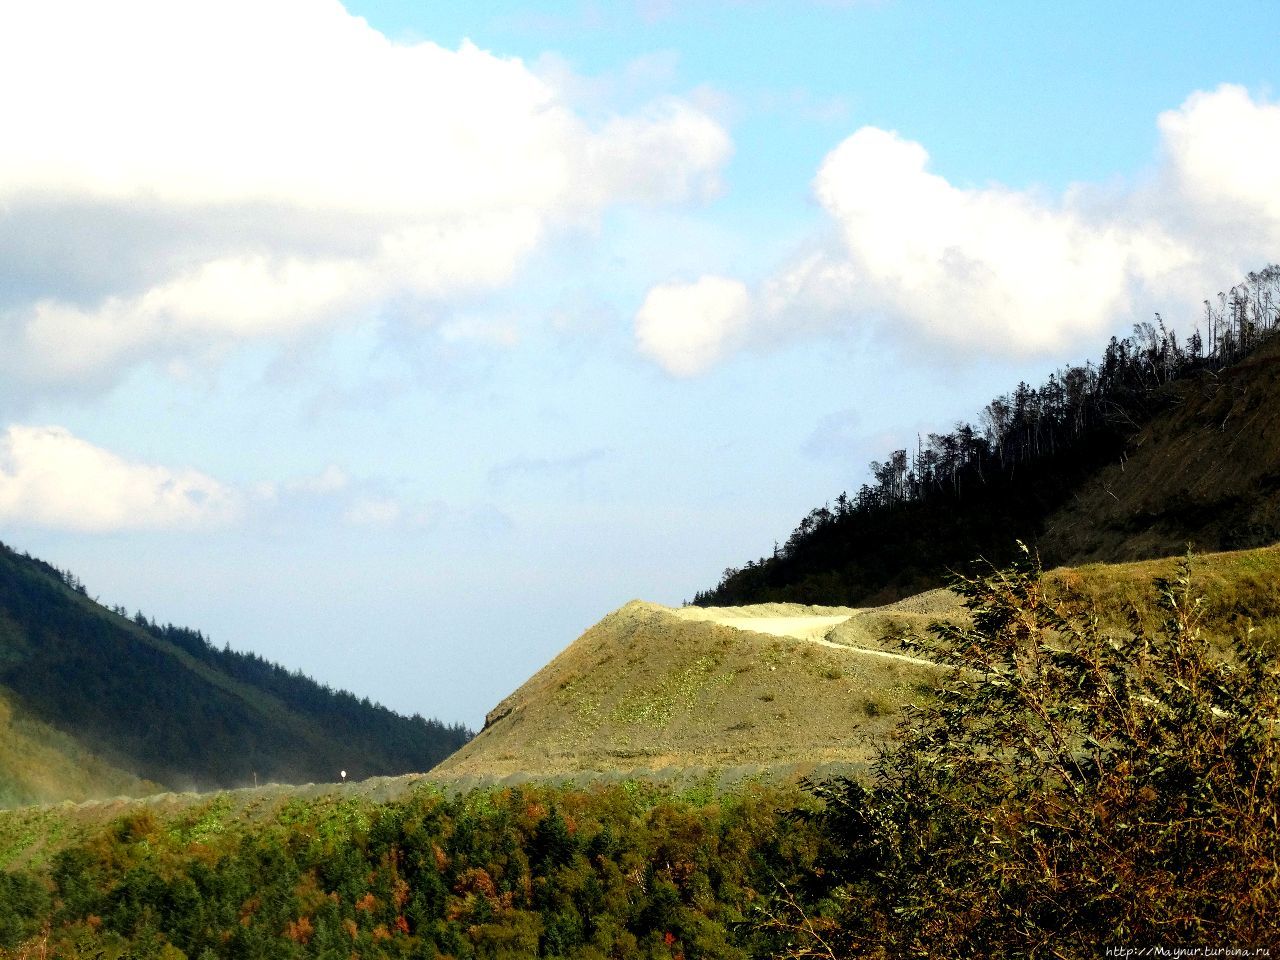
(162, 703)
(1161, 442)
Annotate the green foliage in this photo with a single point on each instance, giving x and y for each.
(24, 902)
(519, 873)
(1069, 788)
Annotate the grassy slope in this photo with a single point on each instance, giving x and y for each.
(585, 711)
(31, 835)
(645, 689)
(39, 764)
(1240, 589)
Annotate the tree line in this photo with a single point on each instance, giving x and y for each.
(1018, 461)
(125, 689)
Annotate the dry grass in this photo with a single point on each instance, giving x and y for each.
(650, 688)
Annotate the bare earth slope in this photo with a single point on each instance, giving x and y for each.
(1206, 470)
(650, 688)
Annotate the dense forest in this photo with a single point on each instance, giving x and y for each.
(978, 488)
(163, 702)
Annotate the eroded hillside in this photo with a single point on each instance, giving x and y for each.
(1205, 470)
(650, 688)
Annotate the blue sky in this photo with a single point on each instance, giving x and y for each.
(400, 351)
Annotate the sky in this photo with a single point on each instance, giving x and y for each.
(399, 342)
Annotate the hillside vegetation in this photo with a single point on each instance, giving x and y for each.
(625, 871)
(40, 764)
(782, 690)
(96, 704)
(1070, 784)
(1162, 442)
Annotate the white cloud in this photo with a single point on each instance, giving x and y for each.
(1222, 148)
(999, 270)
(276, 166)
(686, 327)
(973, 267)
(50, 478)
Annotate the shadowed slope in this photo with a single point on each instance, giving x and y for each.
(1205, 470)
(130, 699)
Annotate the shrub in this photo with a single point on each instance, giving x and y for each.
(1067, 789)
(24, 906)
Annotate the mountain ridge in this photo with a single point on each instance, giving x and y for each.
(158, 705)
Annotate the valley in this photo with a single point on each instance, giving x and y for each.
(767, 772)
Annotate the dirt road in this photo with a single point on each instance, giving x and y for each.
(805, 625)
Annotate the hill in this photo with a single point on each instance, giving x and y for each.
(786, 689)
(96, 703)
(1161, 442)
(400, 867)
(653, 689)
(41, 764)
(1205, 470)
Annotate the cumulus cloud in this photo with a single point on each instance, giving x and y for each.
(48, 477)
(686, 327)
(981, 265)
(51, 478)
(1221, 150)
(260, 168)
(1001, 270)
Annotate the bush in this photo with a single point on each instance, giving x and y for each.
(1067, 789)
(24, 907)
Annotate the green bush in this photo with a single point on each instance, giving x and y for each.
(24, 907)
(1068, 789)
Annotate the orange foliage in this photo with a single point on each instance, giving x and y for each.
(477, 880)
(300, 930)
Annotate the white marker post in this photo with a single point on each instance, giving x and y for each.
(343, 775)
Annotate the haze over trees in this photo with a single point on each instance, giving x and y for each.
(978, 488)
(165, 704)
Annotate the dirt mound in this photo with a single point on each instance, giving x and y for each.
(650, 687)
